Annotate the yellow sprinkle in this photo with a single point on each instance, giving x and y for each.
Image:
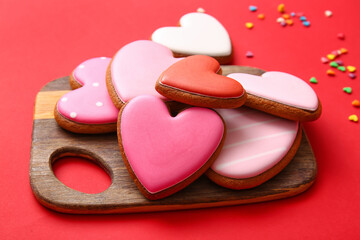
(281, 8)
(249, 25)
(351, 68)
(353, 118)
(200, 10)
(331, 56)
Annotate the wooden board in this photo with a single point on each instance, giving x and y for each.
(50, 142)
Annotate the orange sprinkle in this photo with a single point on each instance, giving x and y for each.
(356, 103)
(343, 50)
(286, 16)
(289, 22)
(261, 16)
(330, 72)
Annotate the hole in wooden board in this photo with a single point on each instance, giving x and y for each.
(80, 170)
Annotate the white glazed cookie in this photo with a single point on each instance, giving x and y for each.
(198, 34)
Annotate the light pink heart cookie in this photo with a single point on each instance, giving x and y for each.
(164, 154)
(135, 69)
(257, 147)
(88, 109)
(280, 94)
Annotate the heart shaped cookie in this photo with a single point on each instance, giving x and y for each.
(88, 109)
(257, 147)
(199, 33)
(135, 68)
(280, 94)
(164, 154)
(197, 80)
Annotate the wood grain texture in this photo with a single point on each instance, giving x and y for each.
(50, 142)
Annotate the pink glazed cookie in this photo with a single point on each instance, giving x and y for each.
(198, 34)
(280, 94)
(88, 108)
(162, 153)
(257, 147)
(134, 69)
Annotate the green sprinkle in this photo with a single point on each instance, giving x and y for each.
(334, 64)
(347, 90)
(342, 68)
(313, 80)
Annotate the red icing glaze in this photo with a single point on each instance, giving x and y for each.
(198, 74)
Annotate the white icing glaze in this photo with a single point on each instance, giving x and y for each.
(199, 33)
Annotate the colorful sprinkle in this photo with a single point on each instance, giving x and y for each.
(341, 36)
(351, 69)
(330, 72)
(249, 54)
(292, 14)
(280, 20)
(313, 80)
(286, 16)
(336, 53)
(200, 10)
(331, 56)
(352, 75)
(306, 23)
(252, 8)
(281, 8)
(289, 22)
(328, 13)
(324, 60)
(347, 90)
(249, 25)
(302, 18)
(353, 118)
(341, 68)
(356, 103)
(339, 62)
(343, 50)
(261, 16)
(334, 64)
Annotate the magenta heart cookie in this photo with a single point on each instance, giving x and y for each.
(256, 148)
(88, 109)
(164, 154)
(280, 94)
(135, 69)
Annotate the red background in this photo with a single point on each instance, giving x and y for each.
(44, 40)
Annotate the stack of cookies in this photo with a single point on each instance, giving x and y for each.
(177, 117)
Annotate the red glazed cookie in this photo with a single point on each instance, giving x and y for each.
(88, 108)
(164, 154)
(197, 80)
(257, 147)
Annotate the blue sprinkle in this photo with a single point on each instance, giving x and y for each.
(292, 14)
(303, 18)
(306, 23)
(252, 8)
(283, 24)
